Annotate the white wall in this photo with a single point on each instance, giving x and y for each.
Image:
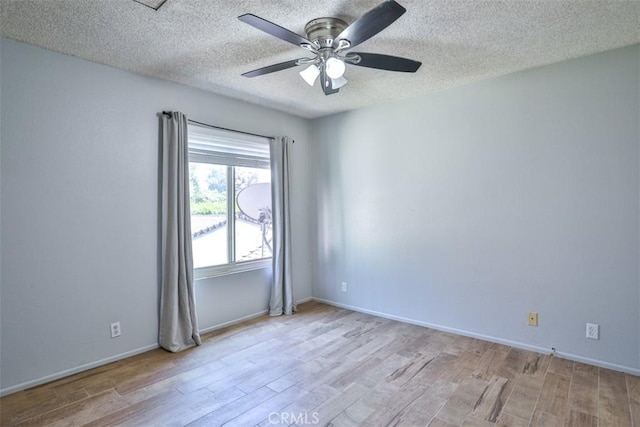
(79, 202)
(0, 210)
(464, 209)
(467, 208)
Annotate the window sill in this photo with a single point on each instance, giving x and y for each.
(224, 270)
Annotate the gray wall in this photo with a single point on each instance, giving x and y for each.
(0, 211)
(79, 201)
(466, 209)
(463, 209)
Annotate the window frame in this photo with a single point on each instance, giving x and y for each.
(198, 154)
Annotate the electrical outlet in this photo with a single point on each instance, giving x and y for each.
(115, 329)
(344, 286)
(593, 331)
(533, 318)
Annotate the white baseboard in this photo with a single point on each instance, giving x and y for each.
(516, 344)
(249, 317)
(303, 300)
(233, 322)
(77, 369)
(85, 367)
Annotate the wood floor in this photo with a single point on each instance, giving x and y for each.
(329, 366)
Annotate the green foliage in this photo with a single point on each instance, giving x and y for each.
(209, 208)
(245, 177)
(210, 198)
(208, 186)
(217, 180)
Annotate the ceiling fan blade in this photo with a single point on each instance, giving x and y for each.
(371, 23)
(326, 83)
(386, 62)
(273, 29)
(271, 68)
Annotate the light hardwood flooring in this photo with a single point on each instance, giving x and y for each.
(330, 366)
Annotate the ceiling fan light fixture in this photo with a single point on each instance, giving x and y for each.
(335, 67)
(330, 40)
(310, 74)
(338, 83)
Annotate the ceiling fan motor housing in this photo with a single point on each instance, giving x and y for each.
(323, 31)
(330, 39)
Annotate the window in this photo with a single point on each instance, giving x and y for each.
(230, 186)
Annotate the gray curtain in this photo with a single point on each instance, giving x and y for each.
(281, 301)
(178, 323)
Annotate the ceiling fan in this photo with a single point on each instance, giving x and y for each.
(330, 40)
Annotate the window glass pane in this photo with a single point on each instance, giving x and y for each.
(253, 213)
(208, 187)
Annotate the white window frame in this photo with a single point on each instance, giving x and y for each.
(230, 149)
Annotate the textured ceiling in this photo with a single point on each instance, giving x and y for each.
(201, 43)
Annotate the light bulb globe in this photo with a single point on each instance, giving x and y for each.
(310, 74)
(335, 68)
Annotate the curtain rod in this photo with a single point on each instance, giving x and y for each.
(221, 128)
